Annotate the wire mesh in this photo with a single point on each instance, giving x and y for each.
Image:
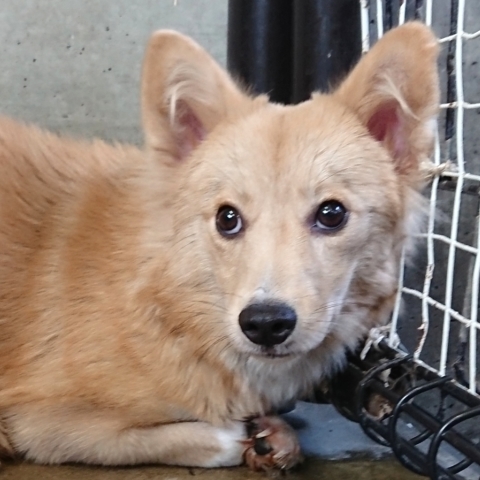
(438, 294)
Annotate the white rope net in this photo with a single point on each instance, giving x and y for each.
(436, 313)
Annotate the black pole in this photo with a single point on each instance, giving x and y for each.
(289, 48)
(259, 48)
(327, 43)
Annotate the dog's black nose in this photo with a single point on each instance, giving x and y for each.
(267, 324)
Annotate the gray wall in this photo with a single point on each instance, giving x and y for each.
(74, 65)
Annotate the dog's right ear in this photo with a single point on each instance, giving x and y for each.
(394, 91)
(185, 94)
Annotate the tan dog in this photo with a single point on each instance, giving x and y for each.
(151, 301)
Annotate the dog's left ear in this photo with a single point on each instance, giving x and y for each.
(394, 90)
(185, 95)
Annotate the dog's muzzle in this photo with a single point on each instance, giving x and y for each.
(267, 324)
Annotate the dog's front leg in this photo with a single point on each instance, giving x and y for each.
(193, 444)
(102, 442)
(62, 436)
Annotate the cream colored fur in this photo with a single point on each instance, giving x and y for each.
(119, 300)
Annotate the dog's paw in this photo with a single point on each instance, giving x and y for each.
(272, 444)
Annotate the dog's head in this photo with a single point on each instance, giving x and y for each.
(289, 220)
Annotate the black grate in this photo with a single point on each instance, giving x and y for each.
(431, 423)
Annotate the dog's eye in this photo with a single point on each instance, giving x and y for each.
(229, 221)
(331, 216)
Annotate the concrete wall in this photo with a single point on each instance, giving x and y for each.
(74, 65)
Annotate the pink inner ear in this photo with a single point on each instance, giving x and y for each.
(387, 126)
(190, 129)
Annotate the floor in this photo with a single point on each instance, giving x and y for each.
(312, 469)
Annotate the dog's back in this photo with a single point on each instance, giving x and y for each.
(45, 182)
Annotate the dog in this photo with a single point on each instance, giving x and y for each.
(160, 305)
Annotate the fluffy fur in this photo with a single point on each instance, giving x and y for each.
(119, 299)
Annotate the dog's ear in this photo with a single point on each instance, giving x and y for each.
(394, 90)
(185, 94)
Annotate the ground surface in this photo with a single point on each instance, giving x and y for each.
(313, 469)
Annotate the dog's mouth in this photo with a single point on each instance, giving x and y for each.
(274, 353)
